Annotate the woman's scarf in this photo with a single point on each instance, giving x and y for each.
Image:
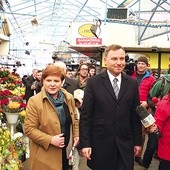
(58, 105)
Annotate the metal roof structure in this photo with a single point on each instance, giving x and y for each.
(49, 20)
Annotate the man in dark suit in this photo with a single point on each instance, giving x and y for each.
(70, 85)
(30, 85)
(110, 129)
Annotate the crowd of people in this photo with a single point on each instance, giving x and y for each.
(93, 115)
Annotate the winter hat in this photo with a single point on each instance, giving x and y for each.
(79, 94)
(143, 59)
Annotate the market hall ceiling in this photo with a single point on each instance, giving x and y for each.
(51, 19)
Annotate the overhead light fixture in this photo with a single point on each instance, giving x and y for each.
(27, 52)
(6, 27)
(34, 22)
(95, 28)
(27, 43)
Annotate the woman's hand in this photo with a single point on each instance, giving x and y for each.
(58, 140)
(76, 141)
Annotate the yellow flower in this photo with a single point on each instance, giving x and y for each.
(7, 132)
(22, 113)
(2, 142)
(1, 160)
(14, 105)
(16, 167)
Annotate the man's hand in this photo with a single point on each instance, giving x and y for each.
(86, 152)
(144, 104)
(152, 128)
(137, 150)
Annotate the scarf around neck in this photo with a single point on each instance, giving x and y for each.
(58, 105)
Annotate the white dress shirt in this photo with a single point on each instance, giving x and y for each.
(111, 77)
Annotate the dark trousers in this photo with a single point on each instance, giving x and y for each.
(120, 165)
(150, 149)
(64, 160)
(164, 165)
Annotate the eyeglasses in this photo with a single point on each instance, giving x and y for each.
(84, 69)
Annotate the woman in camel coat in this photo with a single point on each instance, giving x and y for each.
(51, 123)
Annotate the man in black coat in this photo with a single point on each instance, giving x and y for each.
(110, 129)
(30, 85)
(70, 85)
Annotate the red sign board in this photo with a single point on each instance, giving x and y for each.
(88, 41)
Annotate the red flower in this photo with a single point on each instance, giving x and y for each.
(16, 98)
(5, 93)
(22, 96)
(4, 102)
(22, 105)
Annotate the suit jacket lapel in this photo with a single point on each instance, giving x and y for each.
(123, 86)
(106, 82)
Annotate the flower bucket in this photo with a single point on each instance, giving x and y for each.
(12, 118)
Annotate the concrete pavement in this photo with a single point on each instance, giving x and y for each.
(83, 166)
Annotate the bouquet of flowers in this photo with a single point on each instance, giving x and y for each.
(12, 147)
(8, 80)
(12, 107)
(10, 151)
(22, 115)
(10, 103)
(18, 145)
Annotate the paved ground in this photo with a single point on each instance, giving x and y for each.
(154, 165)
(82, 166)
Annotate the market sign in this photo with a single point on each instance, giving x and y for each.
(88, 41)
(84, 30)
(82, 34)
